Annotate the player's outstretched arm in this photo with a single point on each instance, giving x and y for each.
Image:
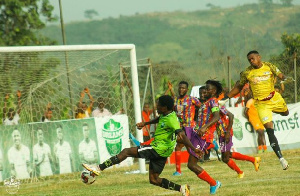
(140, 125)
(236, 90)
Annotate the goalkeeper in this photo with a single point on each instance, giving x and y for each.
(260, 76)
(160, 148)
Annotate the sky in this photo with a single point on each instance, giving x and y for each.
(73, 10)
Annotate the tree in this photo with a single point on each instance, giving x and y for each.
(286, 2)
(20, 19)
(90, 14)
(285, 61)
(291, 43)
(267, 2)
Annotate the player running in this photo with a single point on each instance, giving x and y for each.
(202, 136)
(184, 106)
(225, 132)
(160, 148)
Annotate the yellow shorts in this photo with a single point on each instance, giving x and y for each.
(265, 108)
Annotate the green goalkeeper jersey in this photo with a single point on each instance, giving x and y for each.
(164, 138)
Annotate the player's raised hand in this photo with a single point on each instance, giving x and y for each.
(140, 125)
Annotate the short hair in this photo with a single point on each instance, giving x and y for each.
(252, 52)
(100, 99)
(216, 84)
(166, 101)
(184, 82)
(85, 125)
(201, 88)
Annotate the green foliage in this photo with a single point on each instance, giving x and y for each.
(286, 62)
(286, 2)
(195, 40)
(20, 19)
(90, 14)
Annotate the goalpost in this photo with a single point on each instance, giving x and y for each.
(57, 75)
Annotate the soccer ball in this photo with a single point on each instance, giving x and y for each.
(87, 177)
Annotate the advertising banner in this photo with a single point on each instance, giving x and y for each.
(287, 130)
(60, 147)
(113, 136)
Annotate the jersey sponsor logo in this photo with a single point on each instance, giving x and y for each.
(258, 79)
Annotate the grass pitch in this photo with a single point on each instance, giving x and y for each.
(269, 180)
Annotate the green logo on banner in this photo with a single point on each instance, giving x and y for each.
(112, 132)
(237, 129)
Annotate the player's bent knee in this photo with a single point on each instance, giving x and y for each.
(154, 181)
(225, 159)
(192, 167)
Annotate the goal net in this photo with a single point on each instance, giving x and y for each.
(61, 84)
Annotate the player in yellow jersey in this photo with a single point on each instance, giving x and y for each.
(261, 76)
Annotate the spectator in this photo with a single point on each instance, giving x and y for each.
(19, 157)
(101, 111)
(84, 111)
(12, 117)
(48, 114)
(146, 113)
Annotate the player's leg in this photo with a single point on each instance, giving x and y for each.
(259, 127)
(178, 148)
(202, 174)
(156, 166)
(225, 150)
(193, 160)
(264, 109)
(261, 140)
(231, 164)
(127, 152)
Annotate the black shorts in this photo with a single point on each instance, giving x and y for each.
(157, 162)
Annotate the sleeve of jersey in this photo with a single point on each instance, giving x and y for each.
(243, 77)
(274, 69)
(223, 110)
(196, 102)
(173, 123)
(214, 105)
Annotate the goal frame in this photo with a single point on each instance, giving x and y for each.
(133, 64)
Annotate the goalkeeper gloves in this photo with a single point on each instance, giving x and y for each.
(287, 80)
